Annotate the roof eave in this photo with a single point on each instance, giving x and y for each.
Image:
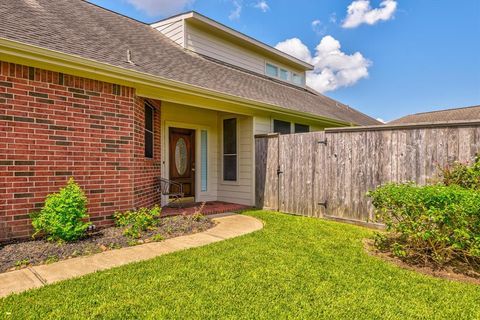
(18, 52)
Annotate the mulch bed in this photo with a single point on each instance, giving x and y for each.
(17, 255)
(462, 273)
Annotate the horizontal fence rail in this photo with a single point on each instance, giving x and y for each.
(328, 173)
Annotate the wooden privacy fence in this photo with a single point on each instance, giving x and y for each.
(328, 173)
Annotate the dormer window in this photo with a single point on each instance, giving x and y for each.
(272, 70)
(202, 35)
(297, 79)
(284, 74)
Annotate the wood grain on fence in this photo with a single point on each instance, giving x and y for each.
(300, 174)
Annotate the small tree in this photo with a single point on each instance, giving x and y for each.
(61, 218)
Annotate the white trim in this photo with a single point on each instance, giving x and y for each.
(290, 74)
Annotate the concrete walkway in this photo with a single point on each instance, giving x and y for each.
(33, 277)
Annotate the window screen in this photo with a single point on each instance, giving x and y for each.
(282, 127)
(230, 149)
(148, 131)
(301, 128)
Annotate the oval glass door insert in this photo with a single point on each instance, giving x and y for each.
(181, 156)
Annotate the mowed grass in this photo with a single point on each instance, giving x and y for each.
(294, 268)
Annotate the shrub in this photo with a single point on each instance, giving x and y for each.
(157, 238)
(198, 214)
(135, 222)
(434, 223)
(61, 218)
(463, 175)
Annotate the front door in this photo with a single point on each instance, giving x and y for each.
(182, 159)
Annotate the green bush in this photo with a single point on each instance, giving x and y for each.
(135, 222)
(61, 218)
(463, 175)
(434, 223)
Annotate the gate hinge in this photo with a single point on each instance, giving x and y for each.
(323, 204)
(323, 142)
(279, 172)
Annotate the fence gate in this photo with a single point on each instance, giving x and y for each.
(289, 173)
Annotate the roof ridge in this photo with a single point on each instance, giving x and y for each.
(338, 103)
(114, 12)
(443, 110)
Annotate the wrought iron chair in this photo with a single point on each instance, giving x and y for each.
(172, 189)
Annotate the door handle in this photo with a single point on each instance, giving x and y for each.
(193, 169)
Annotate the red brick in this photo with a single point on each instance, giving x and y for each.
(27, 137)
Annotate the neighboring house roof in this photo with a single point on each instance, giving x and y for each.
(79, 28)
(449, 115)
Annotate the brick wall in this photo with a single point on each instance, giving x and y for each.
(54, 126)
(146, 171)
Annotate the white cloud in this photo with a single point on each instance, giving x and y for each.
(333, 68)
(381, 120)
(296, 48)
(160, 7)
(235, 14)
(360, 11)
(318, 27)
(262, 5)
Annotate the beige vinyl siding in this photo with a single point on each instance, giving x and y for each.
(263, 125)
(211, 44)
(242, 190)
(202, 42)
(174, 30)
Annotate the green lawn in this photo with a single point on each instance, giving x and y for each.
(294, 268)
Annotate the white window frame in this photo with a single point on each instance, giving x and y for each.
(299, 76)
(267, 64)
(290, 74)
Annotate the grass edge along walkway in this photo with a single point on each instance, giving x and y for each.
(295, 267)
(227, 227)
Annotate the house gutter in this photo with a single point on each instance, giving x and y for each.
(17, 52)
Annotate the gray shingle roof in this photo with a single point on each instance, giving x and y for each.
(86, 30)
(458, 114)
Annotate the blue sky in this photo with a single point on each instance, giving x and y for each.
(420, 55)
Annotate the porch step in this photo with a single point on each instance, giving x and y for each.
(211, 207)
